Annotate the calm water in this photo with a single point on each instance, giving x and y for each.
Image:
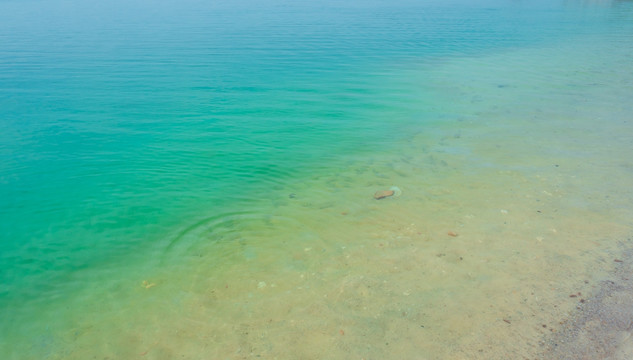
(181, 148)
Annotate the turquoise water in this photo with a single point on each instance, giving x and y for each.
(134, 135)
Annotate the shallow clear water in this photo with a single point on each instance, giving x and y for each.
(195, 180)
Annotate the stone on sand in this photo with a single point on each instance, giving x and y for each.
(383, 194)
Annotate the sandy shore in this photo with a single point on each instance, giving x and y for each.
(603, 326)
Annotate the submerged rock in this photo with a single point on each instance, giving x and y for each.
(383, 194)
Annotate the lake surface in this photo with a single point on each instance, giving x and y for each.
(196, 180)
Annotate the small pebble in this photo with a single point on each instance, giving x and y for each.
(451, 233)
(146, 284)
(383, 194)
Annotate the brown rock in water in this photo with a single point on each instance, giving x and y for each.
(383, 194)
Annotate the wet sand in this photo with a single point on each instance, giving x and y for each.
(602, 328)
